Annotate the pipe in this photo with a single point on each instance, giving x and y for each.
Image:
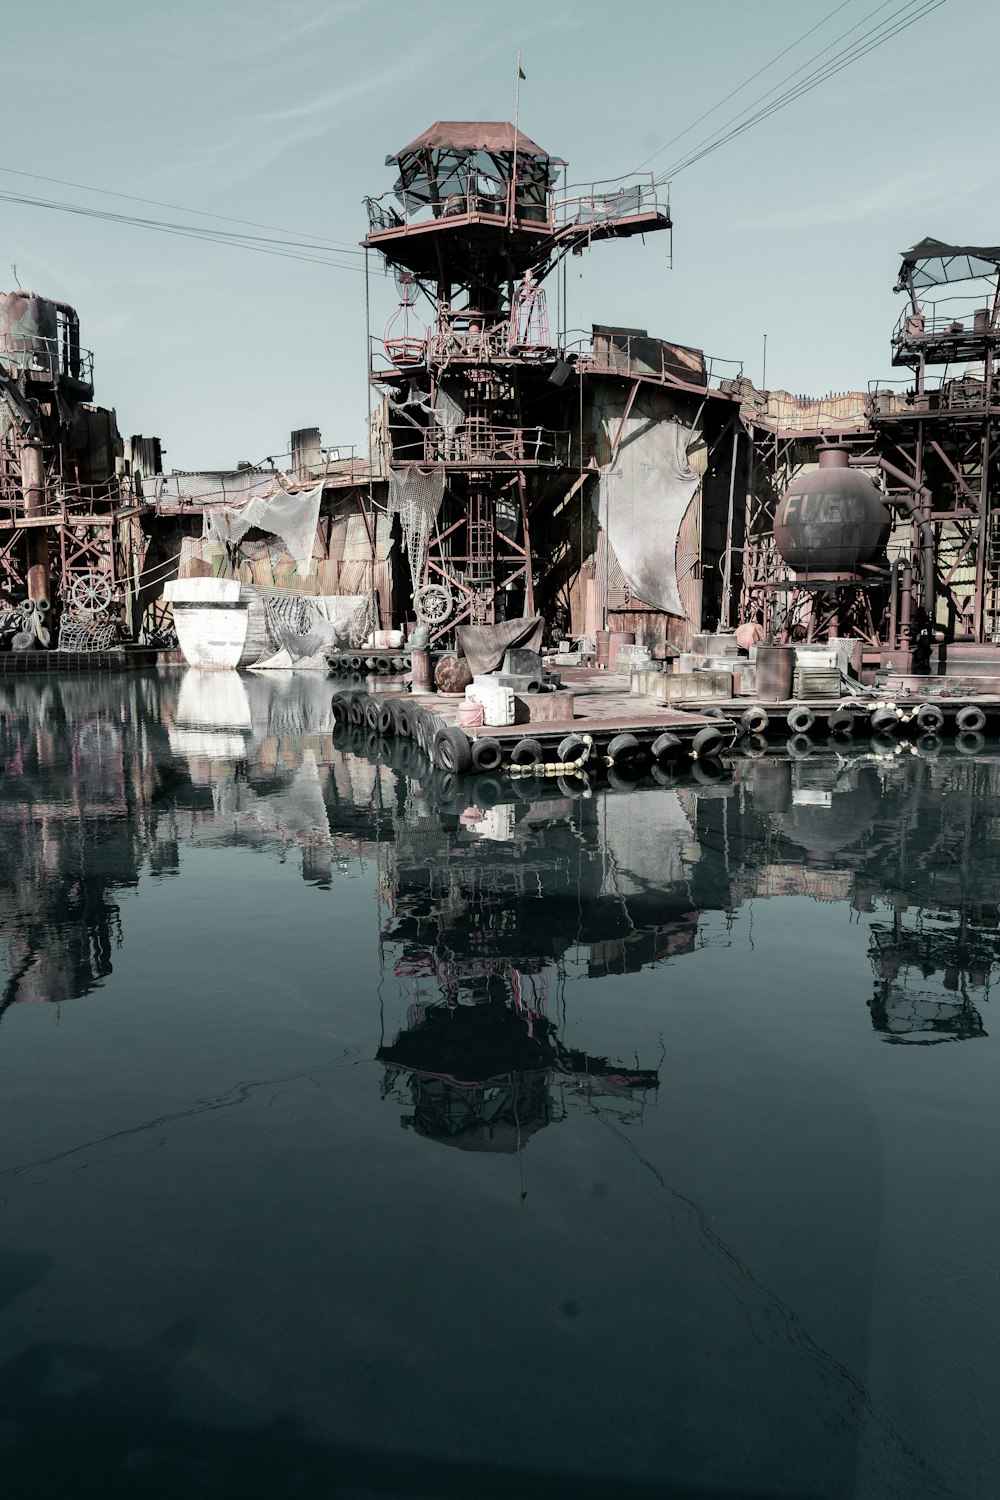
(917, 506)
(906, 607)
(893, 602)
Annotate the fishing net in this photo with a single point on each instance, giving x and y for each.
(77, 634)
(415, 495)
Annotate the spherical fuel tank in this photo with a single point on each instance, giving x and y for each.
(832, 520)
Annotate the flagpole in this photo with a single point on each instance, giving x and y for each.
(517, 108)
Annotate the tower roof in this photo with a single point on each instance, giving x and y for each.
(472, 135)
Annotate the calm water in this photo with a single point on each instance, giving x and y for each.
(361, 1135)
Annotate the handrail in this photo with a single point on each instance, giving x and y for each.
(48, 354)
(476, 441)
(596, 203)
(913, 326)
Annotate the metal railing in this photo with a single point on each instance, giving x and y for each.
(900, 398)
(919, 327)
(479, 442)
(532, 205)
(641, 356)
(590, 205)
(38, 354)
(598, 203)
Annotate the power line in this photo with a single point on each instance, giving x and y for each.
(878, 35)
(344, 245)
(287, 249)
(746, 82)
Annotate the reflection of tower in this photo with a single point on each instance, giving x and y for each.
(79, 782)
(486, 1076)
(476, 225)
(926, 976)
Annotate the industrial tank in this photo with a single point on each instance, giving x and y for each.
(832, 520)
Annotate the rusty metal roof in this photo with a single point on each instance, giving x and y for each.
(473, 135)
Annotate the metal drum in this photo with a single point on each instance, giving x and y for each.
(775, 666)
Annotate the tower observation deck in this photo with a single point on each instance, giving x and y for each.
(477, 417)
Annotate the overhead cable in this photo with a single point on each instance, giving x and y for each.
(891, 26)
(746, 82)
(343, 245)
(287, 249)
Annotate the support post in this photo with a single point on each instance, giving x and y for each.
(36, 537)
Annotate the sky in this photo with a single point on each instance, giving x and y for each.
(283, 111)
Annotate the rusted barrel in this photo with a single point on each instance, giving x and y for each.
(608, 642)
(420, 664)
(775, 667)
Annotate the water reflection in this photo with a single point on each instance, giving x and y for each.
(488, 889)
(384, 947)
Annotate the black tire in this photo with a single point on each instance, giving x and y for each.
(526, 753)
(405, 756)
(708, 741)
(665, 773)
(340, 706)
(753, 747)
(755, 720)
(487, 791)
(451, 751)
(715, 713)
(623, 777)
(622, 748)
(445, 790)
(373, 712)
(356, 663)
(970, 719)
(930, 718)
(884, 721)
(666, 746)
(404, 718)
(708, 771)
(487, 754)
(572, 747)
(799, 746)
(571, 786)
(929, 746)
(387, 719)
(970, 742)
(800, 719)
(42, 606)
(884, 744)
(357, 709)
(841, 723)
(372, 744)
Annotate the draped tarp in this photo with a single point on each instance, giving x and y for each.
(640, 500)
(292, 517)
(485, 646)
